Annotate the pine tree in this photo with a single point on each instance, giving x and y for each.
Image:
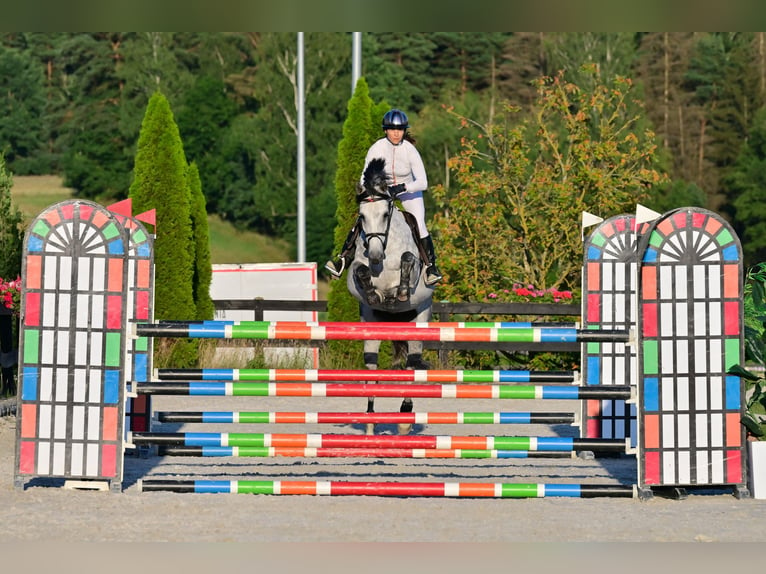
(523, 61)
(203, 268)
(663, 61)
(95, 142)
(159, 182)
(21, 112)
(397, 66)
(747, 182)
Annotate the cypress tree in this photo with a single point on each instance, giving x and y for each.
(159, 182)
(11, 231)
(351, 153)
(352, 149)
(203, 268)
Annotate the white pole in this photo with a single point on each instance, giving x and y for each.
(301, 157)
(356, 59)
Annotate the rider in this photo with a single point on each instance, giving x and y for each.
(405, 169)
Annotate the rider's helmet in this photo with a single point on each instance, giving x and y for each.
(395, 119)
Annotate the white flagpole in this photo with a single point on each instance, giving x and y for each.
(301, 157)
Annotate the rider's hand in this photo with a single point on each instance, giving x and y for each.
(396, 189)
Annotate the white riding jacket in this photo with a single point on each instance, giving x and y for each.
(403, 165)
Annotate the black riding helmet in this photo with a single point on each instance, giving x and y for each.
(395, 119)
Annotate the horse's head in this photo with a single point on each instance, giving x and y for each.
(375, 209)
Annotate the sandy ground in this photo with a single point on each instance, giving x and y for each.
(51, 513)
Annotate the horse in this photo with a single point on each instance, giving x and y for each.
(387, 275)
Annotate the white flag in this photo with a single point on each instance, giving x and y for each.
(644, 214)
(588, 219)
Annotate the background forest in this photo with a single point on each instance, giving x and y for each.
(72, 104)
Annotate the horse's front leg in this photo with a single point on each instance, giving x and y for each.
(407, 265)
(364, 280)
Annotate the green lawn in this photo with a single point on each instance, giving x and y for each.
(32, 194)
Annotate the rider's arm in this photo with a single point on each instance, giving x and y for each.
(419, 179)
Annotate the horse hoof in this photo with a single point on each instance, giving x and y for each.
(370, 430)
(403, 296)
(404, 429)
(373, 299)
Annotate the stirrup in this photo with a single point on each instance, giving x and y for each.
(432, 275)
(333, 269)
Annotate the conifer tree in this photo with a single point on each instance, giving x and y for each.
(357, 137)
(159, 182)
(203, 268)
(11, 231)
(747, 183)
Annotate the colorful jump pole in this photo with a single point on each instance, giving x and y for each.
(401, 489)
(317, 440)
(297, 452)
(314, 331)
(445, 391)
(454, 418)
(416, 376)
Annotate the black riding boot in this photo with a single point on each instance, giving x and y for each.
(338, 265)
(433, 275)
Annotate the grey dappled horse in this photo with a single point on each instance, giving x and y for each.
(386, 275)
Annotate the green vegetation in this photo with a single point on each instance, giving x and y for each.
(33, 193)
(231, 245)
(681, 126)
(352, 149)
(11, 231)
(752, 373)
(73, 103)
(203, 271)
(160, 182)
(524, 182)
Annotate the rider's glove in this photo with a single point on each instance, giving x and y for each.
(396, 189)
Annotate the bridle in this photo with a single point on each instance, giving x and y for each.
(371, 196)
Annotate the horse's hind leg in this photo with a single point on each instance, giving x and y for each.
(415, 362)
(371, 349)
(407, 265)
(405, 408)
(402, 361)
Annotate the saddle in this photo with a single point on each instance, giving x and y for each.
(413, 223)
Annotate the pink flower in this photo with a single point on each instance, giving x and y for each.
(10, 291)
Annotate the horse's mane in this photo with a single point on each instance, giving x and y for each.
(375, 175)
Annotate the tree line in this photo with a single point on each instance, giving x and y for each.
(73, 103)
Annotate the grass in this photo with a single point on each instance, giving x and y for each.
(229, 245)
(32, 194)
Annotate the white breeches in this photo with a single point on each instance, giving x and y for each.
(413, 203)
